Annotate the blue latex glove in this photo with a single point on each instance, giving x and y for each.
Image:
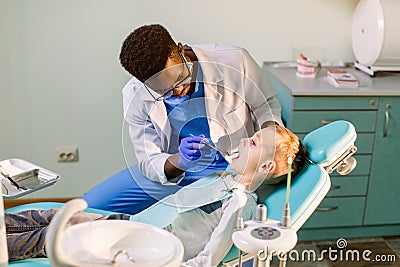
(190, 150)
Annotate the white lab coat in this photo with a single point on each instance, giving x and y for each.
(234, 88)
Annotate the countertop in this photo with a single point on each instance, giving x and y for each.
(383, 84)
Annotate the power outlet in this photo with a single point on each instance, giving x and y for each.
(67, 154)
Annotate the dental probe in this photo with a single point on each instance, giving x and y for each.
(219, 150)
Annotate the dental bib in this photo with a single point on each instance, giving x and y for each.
(206, 190)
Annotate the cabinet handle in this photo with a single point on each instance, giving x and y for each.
(335, 187)
(327, 209)
(386, 123)
(324, 122)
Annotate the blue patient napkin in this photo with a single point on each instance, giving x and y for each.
(202, 192)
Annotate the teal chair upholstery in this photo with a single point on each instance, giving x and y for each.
(38, 262)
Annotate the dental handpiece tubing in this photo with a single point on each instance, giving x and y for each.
(289, 180)
(286, 210)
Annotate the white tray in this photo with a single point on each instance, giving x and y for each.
(36, 179)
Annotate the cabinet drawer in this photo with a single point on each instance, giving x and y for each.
(363, 143)
(348, 186)
(307, 121)
(335, 103)
(336, 212)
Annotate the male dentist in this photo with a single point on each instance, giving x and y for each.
(179, 100)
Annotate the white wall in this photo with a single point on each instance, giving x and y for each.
(61, 80)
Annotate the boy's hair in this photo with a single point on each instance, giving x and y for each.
(289, 145)
(145, 51)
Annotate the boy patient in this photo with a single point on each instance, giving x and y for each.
(205, 231)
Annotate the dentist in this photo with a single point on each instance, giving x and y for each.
(179, 99)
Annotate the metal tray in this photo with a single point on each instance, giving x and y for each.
(28, 175)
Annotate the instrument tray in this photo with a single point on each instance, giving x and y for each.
(28, 176)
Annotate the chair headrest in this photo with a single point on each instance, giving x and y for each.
(329, 141)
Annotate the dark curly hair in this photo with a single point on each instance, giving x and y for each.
(145, 51)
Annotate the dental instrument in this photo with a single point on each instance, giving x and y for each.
(22, 177)
(223, 153)
(6, 175)
(286, 212)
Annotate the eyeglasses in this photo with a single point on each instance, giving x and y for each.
(167, 92)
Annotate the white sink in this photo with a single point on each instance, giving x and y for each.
(99, 243)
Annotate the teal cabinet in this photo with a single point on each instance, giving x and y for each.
(303, 121)
(334, 212)
(382, 206)
(348, 186)
(364, 203)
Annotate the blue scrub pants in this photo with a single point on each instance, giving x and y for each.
(130, 192)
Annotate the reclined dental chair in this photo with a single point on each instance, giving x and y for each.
(329, 148)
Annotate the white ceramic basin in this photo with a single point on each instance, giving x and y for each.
(99, 243)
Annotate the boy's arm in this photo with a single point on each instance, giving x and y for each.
(220, 241)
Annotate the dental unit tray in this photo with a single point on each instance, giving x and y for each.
(28, 176)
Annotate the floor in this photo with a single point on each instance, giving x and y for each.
(384, 251)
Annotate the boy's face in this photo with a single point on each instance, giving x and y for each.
(255, 151)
